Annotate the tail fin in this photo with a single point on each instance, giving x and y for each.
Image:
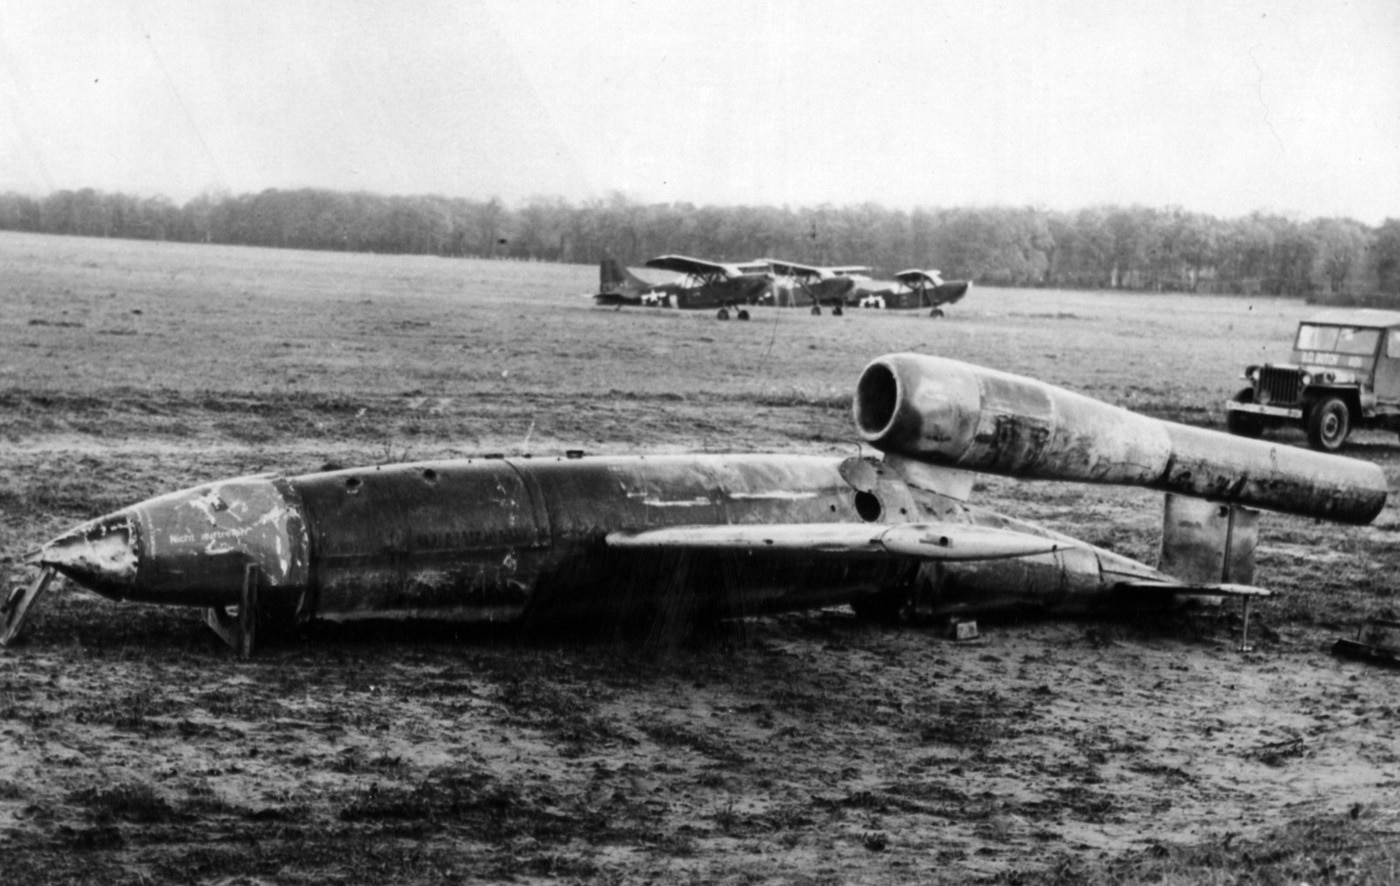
(613, 277)
(1207, 542)
(1209, 546)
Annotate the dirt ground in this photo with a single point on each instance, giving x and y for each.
(806, 748)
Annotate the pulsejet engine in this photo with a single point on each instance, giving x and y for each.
(947, 413)
(655, 543)
(935, 417)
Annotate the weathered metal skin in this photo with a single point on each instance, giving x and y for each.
(514, 539)
(950, 413)
(1076, 580)
(476, 540)
(498, 539)
(190, 547)
(460, 539)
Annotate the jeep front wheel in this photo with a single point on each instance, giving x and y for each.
(1244, 424)
(1328, 424)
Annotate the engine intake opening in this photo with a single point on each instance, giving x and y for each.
(877, 398)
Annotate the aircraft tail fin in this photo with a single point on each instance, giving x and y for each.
(1208, 546)
(950, 293)
(613, 276)
(1207, 542)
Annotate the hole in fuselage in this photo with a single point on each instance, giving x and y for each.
(868, 506)
(430, 475)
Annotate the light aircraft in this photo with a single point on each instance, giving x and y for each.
(911, 289)
(798, 285)
(656, 543)
(705, 285)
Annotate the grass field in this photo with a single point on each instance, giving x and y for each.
(228, 319)
(810, 748)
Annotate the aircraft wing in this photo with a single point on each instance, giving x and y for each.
(792, 269)
(681, 264)
(921, 541)
(918, 277)
(1223, 589)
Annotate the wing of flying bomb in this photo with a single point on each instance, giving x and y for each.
(1193, 589)
(922, 541)
(1247, 594)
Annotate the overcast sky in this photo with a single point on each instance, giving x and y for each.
(1220, 106)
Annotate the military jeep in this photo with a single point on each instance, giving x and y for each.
(1344, 373)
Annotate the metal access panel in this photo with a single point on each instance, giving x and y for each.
(455, 540)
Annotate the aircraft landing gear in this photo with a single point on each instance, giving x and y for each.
(816, 311)
(935, 313)
(723, 314)
(743, 314)
(837, 312)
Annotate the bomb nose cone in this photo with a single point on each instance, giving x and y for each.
(102, 555)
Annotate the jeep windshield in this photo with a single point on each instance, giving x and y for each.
(1351, 340)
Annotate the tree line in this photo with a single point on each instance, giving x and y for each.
(1103, 247)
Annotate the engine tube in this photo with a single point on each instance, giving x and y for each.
(950, 413)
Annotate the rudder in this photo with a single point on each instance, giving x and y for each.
(1206, 542)
(613, 277)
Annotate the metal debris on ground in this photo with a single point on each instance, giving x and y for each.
(1377, 642)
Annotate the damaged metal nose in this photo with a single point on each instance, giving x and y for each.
(188, 548)
(102, 555)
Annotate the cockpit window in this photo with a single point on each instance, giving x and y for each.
(1338, 339)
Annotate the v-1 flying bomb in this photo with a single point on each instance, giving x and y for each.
(657, 542)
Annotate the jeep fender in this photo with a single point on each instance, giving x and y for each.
(1349, 395)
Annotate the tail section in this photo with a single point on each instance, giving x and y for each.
(944, 413)
(614, 278)
(950, 293)
(1205, 542)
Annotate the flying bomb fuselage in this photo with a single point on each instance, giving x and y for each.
(498, 539)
